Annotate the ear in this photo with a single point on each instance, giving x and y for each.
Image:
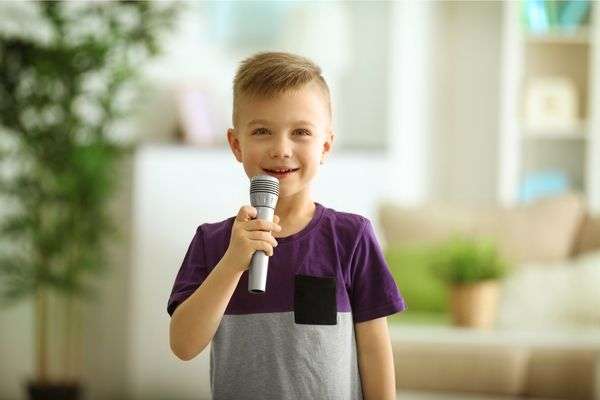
(234, 143)
(327, 146)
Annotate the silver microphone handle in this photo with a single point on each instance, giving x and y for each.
(257, 278)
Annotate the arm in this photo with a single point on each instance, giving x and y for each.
(375, 359)
(196, 320)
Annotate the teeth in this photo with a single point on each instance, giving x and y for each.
(281, 171)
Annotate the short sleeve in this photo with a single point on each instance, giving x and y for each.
(373, 292)
(191, 274)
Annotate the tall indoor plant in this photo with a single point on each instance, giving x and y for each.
(472, 268)
(64, 70)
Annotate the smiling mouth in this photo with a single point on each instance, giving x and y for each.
(281, 170)
(281, 173)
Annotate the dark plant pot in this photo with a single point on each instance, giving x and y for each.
(54, 391)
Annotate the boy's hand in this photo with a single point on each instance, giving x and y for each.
(249, 235)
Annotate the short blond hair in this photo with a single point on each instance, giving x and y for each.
(270, 73)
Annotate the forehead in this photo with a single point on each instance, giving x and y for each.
(305, 104)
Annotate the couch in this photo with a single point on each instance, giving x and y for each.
(546, 338)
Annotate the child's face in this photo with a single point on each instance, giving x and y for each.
(289, 131)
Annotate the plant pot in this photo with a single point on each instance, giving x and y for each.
(474, 305)
(54, 390)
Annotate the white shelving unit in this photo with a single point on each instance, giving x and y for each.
(575, 150)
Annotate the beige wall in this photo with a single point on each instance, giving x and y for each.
(464, 153)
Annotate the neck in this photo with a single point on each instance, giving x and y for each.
(290, 208)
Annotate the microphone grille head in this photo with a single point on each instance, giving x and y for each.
(264, 184)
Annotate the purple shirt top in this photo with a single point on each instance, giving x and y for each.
(333, 244)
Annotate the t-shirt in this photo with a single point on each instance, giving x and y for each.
(296, 340)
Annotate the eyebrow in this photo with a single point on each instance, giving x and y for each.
(265, 122)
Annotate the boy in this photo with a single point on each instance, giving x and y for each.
(319, 331)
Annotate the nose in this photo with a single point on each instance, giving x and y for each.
(281, 147)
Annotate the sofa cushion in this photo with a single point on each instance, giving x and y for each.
(585, 307)
(421, 290)
(546, 297)
(588, 238)
(484, 368)
(536, 297)
(503, 368)
(565, 373)
(543, 231)
(429, 224)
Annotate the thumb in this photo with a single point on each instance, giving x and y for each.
(276, 218)
(246, 213)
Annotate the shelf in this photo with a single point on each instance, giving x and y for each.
(574, 148)
(575, 132)
(555, 136)
(581, 36)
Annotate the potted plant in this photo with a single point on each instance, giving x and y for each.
(472, 269)
(64, 71)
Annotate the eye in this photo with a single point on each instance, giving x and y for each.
(303, 132)
(260, 131)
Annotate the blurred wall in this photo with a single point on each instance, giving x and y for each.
(349, 40)
(466, 117)
(363, 89)
(462, 144)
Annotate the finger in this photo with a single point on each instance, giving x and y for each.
(261, 235)
(246, 213)
(276, 219)
(268, 249)
(264, 246)
(262, 225)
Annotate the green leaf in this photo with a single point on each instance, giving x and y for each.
(462, 260)
(64, 162)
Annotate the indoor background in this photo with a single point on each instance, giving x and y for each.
(476, 117)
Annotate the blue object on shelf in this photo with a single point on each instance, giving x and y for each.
(535, 13)
(552, 11)
(574, 13)
(544, 16)
(541, 184)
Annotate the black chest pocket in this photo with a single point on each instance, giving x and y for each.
(315, 300)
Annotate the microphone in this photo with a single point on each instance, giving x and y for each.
(264, 193)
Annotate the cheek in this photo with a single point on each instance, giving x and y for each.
(251, 153)
(252, 159)
(313, 157)
(310, 165)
